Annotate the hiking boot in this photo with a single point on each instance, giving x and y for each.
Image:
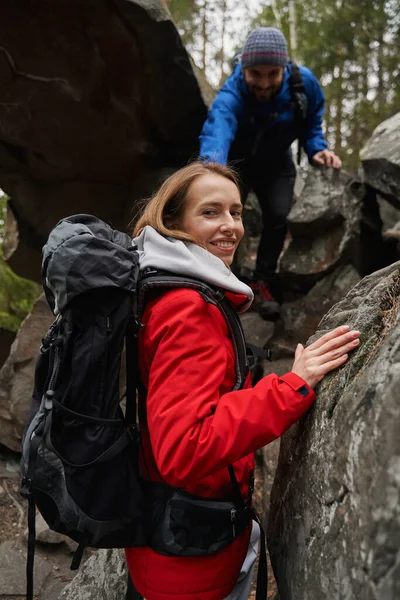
(264, 302)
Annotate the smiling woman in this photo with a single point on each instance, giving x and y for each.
(200, 423)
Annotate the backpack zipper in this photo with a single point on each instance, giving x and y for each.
(55, 369)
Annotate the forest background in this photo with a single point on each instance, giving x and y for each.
(353, 48)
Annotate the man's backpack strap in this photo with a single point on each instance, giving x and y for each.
(300, 102)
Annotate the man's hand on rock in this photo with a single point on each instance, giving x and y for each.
(328, 158)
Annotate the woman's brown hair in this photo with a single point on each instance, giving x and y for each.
(164, 210)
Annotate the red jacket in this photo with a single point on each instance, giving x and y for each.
(196, 427)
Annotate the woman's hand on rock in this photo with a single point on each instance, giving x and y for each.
(327, 353)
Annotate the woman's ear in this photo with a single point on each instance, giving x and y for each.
(171, 223)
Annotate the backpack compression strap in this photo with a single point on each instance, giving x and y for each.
(300, 102)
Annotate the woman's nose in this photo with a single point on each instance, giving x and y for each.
(228, 223)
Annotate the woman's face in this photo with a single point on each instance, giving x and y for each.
(213, 215)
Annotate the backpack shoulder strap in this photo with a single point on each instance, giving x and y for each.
(299, 100)
(158, 280)
(298, 90)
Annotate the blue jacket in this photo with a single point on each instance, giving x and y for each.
(241, 127)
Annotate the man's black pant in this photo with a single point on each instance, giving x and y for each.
(273, 185)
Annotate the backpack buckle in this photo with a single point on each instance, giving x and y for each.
(233, 519)
(26, 487)
(133, 433)
(137, 326)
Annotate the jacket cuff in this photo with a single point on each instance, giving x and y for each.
(298, 385)
(312, 150)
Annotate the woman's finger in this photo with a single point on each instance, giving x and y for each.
(333, 364)
(338, 342)
(335, 353)
(329, 336)
(298, 352)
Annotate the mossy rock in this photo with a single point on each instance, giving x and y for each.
(17, 296)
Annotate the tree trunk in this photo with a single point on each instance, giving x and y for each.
(381, 92)
(276, 14)
(328, 123)
(292, 30)
(339, 102)
(204, 37)
(224, 16)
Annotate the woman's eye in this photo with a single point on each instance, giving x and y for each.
(237, 214)
(209, 212)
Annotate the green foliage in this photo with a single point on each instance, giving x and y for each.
(17, 295)
(185, 14)
(211, 30)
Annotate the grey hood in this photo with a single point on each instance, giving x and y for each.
(184, 258)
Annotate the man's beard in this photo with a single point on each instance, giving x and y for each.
(264, 94)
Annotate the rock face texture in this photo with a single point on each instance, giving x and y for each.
(103, 576)
(320, 204)
(325, 228)
(334, 525)
(96, 99)
(381, 160)
(13, 573)
(300, 318)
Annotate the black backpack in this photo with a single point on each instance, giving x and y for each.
(80, 449)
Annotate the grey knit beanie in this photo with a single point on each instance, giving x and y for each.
(265, 46)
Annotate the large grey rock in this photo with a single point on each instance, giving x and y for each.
(95, 99)
(380, 160)
(13, 572)
(256, 330)
(320, 202)
(269, 458)
(102, 577)
(270, 453)
(16, 375)
(389, 214)
(324, 228)
(334, 526)
(300, 318)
